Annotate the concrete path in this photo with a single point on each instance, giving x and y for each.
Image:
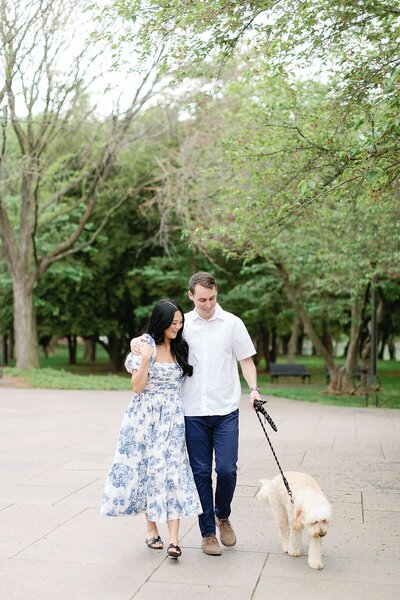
(56, 447)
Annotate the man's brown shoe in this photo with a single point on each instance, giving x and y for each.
(226, 533)
(210, 545)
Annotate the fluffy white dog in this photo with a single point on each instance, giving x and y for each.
(310, 510)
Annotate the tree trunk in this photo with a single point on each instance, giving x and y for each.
(366, 348)
(11, 346)
(90, 349)
(305, 318)
(25, 333)
(384, 341)
(72, 349)
(53, 344)
(326, 333)
(294, 338)
(284, 344)
(339, 376)
(264, 335)
(392, 348)
(348, 386)
(116, 349)
(4, 350)
(274, 350)
(299, 350)
(365, 359)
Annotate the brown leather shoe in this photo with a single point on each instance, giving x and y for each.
(226, 533)
(210, 545)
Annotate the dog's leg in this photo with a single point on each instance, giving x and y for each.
(295, 542)
(282, 523)
(284, 533)
(296, 523)
(314, 553)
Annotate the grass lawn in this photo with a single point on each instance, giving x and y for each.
(55, 372)
(288, 387)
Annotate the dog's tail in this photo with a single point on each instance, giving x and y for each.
(263, 492)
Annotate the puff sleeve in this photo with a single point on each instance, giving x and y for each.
(132, 362)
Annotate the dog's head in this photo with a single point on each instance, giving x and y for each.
(315, 516)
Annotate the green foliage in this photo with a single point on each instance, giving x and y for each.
(91, 293)
(354, 43)
(263, 151)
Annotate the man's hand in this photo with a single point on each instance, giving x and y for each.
(136, 344)
(254, 395)
(146, 350)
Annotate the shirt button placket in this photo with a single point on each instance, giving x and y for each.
(204, 367)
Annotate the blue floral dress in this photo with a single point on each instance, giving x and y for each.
(151, 471)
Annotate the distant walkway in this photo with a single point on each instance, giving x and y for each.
(56, 447)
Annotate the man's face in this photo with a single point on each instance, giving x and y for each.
(205, 300)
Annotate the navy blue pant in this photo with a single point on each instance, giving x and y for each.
(204, 437)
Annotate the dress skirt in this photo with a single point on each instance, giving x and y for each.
(151, 471)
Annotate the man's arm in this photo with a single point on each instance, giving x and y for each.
(250, 374)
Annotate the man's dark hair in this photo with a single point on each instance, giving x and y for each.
(202, 278)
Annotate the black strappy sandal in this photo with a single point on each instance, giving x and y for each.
(174, 551)
(153, 541)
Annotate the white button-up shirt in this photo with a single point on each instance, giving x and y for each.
(215, 346)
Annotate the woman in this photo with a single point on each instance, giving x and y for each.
(151, 472)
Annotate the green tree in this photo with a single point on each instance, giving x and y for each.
(93, 293)
(355, 43)
(56, 152)
(250, 166)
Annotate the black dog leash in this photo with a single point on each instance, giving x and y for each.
(259, 408)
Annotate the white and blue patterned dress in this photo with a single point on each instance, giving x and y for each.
(151, 471)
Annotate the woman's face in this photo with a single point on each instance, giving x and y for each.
(176, 325)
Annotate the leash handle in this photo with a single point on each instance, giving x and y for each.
(259, 408)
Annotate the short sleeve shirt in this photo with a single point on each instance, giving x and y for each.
(215, 347)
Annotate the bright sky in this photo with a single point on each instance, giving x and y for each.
(109, 87)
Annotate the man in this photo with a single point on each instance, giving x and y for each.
(217, 340)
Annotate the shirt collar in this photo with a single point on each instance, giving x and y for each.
(219, 314)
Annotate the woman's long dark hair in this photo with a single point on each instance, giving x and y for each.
(160, 319)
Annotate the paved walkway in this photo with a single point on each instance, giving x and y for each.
(56, 447)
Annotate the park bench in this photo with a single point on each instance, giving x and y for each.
(357, 373)
(288, 370)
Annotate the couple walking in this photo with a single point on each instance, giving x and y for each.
(185, 379)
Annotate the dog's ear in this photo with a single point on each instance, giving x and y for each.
(298, 520)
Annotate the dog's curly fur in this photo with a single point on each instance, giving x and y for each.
(310, 510)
